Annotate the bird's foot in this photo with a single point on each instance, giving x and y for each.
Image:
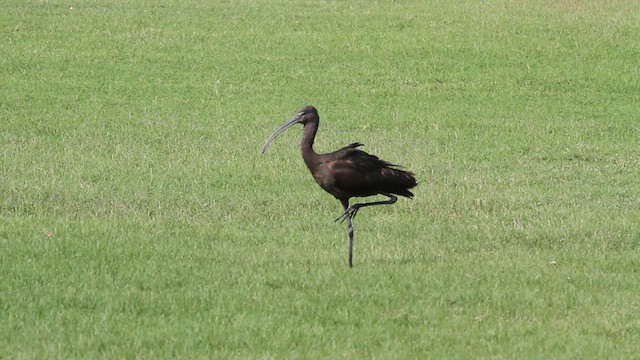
(350, 213)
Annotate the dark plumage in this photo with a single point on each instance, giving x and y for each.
(348, 172)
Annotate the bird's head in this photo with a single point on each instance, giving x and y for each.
(305, 115)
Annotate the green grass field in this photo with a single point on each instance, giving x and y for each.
(138, 218)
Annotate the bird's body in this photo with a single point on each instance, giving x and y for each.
(348, 172)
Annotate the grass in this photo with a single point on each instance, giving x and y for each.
(138, 219)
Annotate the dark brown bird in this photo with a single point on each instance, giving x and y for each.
(347, 172)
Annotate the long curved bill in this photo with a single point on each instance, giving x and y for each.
(294, 120)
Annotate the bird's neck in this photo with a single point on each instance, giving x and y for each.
(306, 145)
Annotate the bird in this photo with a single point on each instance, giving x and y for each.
(348, 172)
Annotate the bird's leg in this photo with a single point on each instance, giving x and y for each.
(350, 242)
(351, 211)
(345, 205)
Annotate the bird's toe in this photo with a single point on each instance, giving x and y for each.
(350, 213)
(342, 217)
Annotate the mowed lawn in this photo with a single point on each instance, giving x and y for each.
(138, 218)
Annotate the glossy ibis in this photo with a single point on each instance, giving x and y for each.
(348, 172)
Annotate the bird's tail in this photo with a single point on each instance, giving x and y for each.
(399, 181)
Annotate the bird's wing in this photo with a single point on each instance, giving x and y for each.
(352, 146)
(361, 174)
